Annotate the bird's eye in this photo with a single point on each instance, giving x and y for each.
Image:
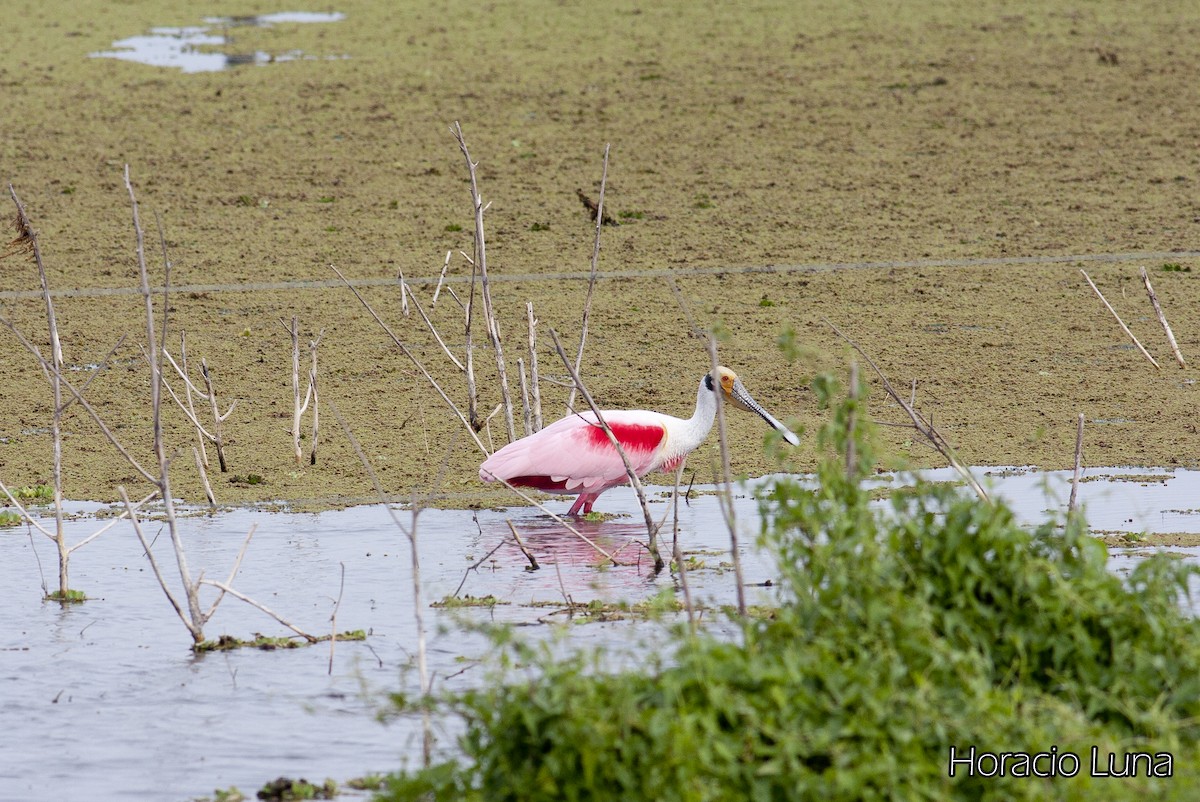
(726, 381)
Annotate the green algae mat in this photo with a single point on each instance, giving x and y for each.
(930, 177)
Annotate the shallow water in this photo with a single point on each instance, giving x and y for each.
(104, 700)
(188, 48)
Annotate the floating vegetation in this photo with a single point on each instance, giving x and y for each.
(285, 789)
(35, 494)
(267, 643)
(67, 596)
(451, 602)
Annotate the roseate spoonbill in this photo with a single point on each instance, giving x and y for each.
(574, 455)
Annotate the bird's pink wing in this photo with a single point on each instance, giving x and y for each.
(574, 454)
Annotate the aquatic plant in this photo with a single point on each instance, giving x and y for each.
(905, 629)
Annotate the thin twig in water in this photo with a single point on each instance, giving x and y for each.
(475, 567)
(418, 606)
(533, 563)
(634, 480)
(225, 588)
(924, 427)
(333, 618)
(1078, 463)
(677, 552)
(726, 495)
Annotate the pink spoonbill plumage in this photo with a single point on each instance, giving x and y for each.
(574, 455)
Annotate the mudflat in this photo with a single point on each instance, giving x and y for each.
(931, 179)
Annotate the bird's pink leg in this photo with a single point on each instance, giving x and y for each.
(583, 504)
(579, 502)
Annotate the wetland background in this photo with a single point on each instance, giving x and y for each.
(962, 142)
(927, 176)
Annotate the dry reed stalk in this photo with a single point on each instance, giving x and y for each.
(183, 371)
(333, 617)
(78, 397)
(418, 606)
(189, 411)
(1120, 322)
(535, 391)
(156, 381)
(403, 294)
(454, 295)
(528, 412)
(299, 408)
(404, 349)
(218, 419)
(225, 588)
(208, 491)
(441, 279)
(472, 392)
(677, 552)
(216, 436)
(489, 311)
(533, 563)
(1162, 319)
(1078, 463)
(196, 617)
(433, 329)
(851, 455)
(919, 423)
(587, 304)
(316, 397)
(634, 480)
(28, 240)
(726, 495)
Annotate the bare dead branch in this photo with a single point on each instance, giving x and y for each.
(404, 349)
(587, 304)
(726, 494)
(480, 261)
(437, 290)
(1162, 319)
(1078, 463)
(535, 391)
(225, 588)
(533, 563)
(634, 480)
(923, 427)
(1120, 322)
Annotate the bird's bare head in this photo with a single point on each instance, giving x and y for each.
(735, 393)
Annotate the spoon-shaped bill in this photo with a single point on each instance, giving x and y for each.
(741, 398)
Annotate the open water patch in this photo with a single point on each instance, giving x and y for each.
(104, 700)
(209, 47)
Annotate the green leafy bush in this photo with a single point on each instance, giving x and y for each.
(904, 629)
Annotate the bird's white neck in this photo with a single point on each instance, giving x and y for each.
(698, 426)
